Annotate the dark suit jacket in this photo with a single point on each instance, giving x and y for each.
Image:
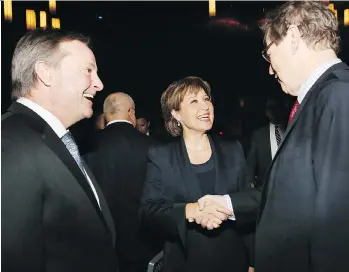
(259, 156)
(50, 217)
(171, 184)
(304, 223)
(119, 164)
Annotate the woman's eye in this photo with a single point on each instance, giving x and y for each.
(194, 101)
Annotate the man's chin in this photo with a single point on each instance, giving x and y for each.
(88, 114)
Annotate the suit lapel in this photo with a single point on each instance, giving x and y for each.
(58, 147)
(291, 125)
(51, 139)
(188, 176)
(104, 206)
(220, 167)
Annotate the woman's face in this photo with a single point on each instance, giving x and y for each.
(196, 112)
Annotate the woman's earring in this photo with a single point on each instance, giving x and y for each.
(178, 123)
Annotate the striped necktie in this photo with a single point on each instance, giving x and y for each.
(277, 135)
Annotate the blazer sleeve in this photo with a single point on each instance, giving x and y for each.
(330, 159)
(21, 210)
(245, 204)
(246, 201)
(252, 161)
(158, 211)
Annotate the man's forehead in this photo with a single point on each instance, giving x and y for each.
(78, 48)
(141, 120)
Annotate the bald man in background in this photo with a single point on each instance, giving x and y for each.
(119, 164)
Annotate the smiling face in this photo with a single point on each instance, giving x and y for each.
(74, 83)
(196, 112)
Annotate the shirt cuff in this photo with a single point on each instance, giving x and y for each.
(230, 206)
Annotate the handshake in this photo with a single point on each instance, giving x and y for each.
(210, 211)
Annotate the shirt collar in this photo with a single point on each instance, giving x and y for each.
(314, 76)
(119, 121)
(49, 118)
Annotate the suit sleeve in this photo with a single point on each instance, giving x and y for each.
(330, 157)
(245, 204)
(21, 210)
(158, 211)
(246, 201)
(252, 161)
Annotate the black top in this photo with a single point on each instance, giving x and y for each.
(171, 183)
(206, 176)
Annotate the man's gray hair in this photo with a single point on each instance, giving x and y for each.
(37, 45)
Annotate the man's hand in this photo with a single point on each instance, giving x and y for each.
(213, 200)
(212, 216)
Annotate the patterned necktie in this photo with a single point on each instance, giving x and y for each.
(277, 135)
(293, 111)
(70, 143)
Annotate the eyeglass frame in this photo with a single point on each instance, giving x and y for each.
(265, 50)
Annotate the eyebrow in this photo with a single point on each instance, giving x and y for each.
(94, 66)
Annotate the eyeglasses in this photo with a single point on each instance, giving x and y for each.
(264, 52)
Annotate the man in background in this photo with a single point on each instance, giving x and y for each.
(119, 164)
(142, 125)
(265, 142)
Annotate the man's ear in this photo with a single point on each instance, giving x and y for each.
(43, 72)
(295, 38)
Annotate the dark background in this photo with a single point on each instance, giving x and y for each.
(142, 47)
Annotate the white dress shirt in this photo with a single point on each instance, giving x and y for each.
(57, 127)
(314, 76)
(119, 121)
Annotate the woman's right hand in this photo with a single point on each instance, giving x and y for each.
(192, 211)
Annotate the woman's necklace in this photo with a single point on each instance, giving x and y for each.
(198, 150)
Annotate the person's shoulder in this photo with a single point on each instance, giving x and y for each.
(15, 126)
(227, 143)
(17, 137)
(335, 91)
(162, 150)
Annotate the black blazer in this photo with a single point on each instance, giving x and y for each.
(304, 223)
(171, 184)
(51, 220)
(119, 164)
(259, 156)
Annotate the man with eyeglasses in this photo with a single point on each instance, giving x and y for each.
(303, 223)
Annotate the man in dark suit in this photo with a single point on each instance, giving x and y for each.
(54, 216)
(119, 164)
(303, 224)
(265, 142)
